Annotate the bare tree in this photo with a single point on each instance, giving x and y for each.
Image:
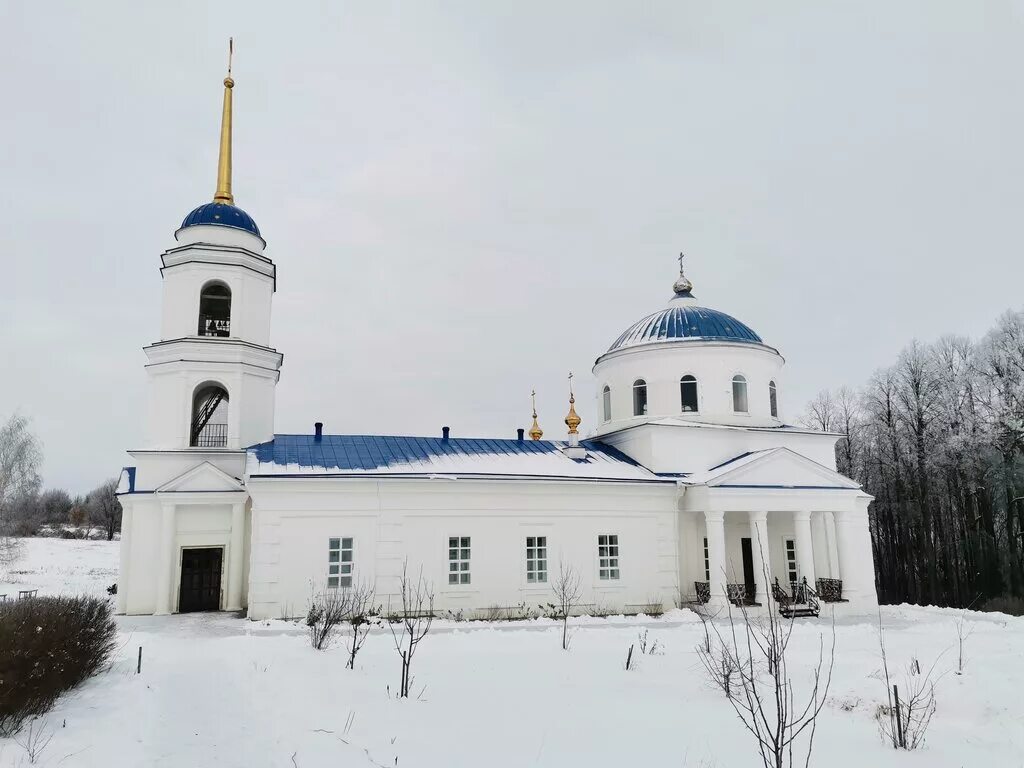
(417, 614)
(20, 457)
(905, 718)
(105, 509)
(751, 665)
(568, 592)
(361, 618)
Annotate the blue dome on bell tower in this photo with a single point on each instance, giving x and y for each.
(221, 215)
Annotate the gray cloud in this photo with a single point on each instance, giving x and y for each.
(465, 201)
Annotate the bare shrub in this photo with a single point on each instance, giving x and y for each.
(568, 592)
(492, 613)
(904, 718)
(34, 740)
(415, 617)
(653, 607)
(964, 629)
(362, 617)
(327, 609)
(49, 645)
(649, 647)
(750, 663)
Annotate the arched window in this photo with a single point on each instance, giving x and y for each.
(688, 394)
(215, 310)
(209, 427)
(739, 394)
(773, 399)
(606, 403)
(639, 397)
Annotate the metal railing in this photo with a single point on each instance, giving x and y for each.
(212, 436)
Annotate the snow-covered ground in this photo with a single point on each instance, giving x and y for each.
(220, 691)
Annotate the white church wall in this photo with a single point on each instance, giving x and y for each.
(689, 449)
(251, 295)
(394, 521)
(712, 364)
(196, 525)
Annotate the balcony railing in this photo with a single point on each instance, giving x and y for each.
(213, 436)
(217, 327)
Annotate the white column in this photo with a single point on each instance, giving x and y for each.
(856, 564)
(833, 549)
(715, 522)
(168, 549)
(759, 547)
(124, 565)
(236, 557)
(804, 546)
(820, 541)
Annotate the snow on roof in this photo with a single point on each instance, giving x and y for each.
(351, 455)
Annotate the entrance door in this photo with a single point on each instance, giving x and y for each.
(200, 579)
(748, 569)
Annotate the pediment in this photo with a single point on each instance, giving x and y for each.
(203, 477)
(777, 468)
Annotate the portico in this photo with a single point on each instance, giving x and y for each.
(738, 534)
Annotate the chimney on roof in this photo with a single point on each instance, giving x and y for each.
(444, 433)
(318, 430)
(520, 433)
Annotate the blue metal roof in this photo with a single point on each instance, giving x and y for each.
(361, 453)
(221, 215)
(683, 323)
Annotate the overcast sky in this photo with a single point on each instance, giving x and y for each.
(467, 200)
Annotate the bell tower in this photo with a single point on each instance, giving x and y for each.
(212, 375)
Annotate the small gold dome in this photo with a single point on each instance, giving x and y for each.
(572, 420)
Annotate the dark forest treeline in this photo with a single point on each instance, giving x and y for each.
(937, 439)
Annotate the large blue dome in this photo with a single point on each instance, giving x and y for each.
(686, 323)
(221, 215)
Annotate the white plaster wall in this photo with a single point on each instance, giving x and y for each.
(217, 235)
(689, 449)
(396, 520)
(195, 526)
(172, 388)
(713, 364)
(251, 296)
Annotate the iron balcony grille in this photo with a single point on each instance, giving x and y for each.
(213, 436)
(217, 327)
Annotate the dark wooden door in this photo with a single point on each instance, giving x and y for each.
(200, 579)
(748, 569)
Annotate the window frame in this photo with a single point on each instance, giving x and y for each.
(463, 550)
(707, 561)
(539, 560)
(640, 385)
(739, 378)
(606, 404)
(336, 568)
(792, 564)
(696, 392)
(609, 557)
(773, 399)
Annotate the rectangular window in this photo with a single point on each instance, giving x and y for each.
(791, 563)
(707, 561)
(536, 559)
(339, 563)
(458, 559)
(608, 556)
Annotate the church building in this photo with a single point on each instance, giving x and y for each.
(691, 487)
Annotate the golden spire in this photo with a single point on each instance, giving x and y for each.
(536, 433)
(223, 193)
(572, 420)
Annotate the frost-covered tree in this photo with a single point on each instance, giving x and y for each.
(20, 457)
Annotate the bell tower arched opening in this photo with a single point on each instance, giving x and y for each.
(209, 428)
(215, 310)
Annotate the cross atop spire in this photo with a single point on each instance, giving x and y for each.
(572, 419)
(536, 433)
(682, 285)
